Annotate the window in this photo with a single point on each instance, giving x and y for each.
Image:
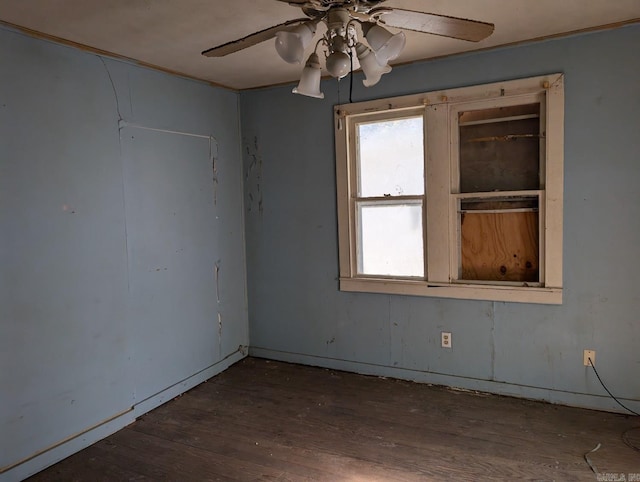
(454, 193)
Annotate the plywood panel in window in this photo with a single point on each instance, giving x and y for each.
(500, 246)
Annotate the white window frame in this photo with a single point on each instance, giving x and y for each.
(441, 179)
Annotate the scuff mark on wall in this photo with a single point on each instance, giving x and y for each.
(217, 272)
(213, 156)
(329, 343)
(219, 332)
(253, 177)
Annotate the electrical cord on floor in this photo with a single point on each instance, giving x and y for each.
(610, 394)
(627, 441)
(625, 435)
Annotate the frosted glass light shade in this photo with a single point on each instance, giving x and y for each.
(291, 43)
(309, 84)
(338, 64)
(370, 66)
(386, 45)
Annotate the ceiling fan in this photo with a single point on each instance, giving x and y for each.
(345, 20)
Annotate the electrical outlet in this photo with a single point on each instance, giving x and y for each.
(446, 339)
(589, 354)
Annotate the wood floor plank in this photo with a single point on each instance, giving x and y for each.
(265, 420)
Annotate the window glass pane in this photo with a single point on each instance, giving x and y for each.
(391, 239)
(391, 158)
(499, 239)
(500, 149)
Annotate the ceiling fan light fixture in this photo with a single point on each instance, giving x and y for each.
(370, 67)
(309, 84)
(387, 46)
(291, 43)
(343, 23)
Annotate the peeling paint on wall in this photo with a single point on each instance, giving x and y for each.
(217, 268)
(253, 177)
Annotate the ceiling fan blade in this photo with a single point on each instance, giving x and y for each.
(454, 27)
(251, 40)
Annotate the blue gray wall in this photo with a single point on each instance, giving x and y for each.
(296, 312)
(122, 242)
(122, 279)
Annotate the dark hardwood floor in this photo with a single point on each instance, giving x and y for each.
(265, 420)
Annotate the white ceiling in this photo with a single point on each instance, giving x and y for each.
(171, 33)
